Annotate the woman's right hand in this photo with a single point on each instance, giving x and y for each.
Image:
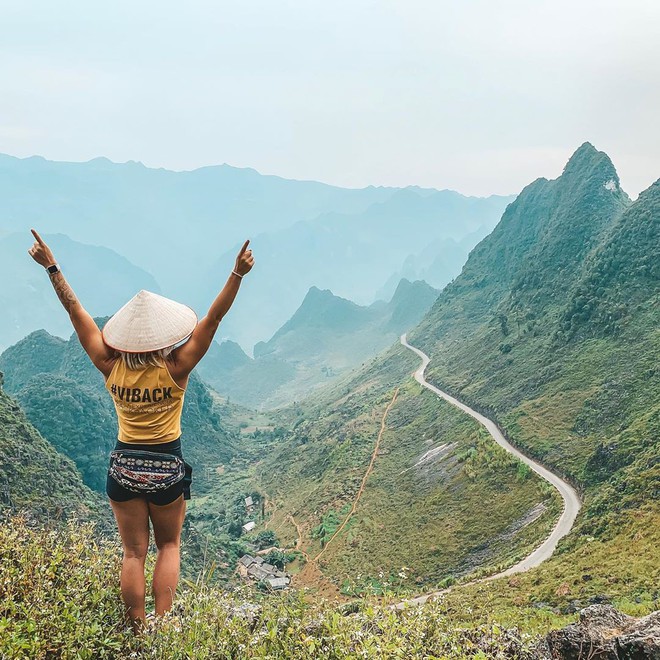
(244, 260)
(40, 252)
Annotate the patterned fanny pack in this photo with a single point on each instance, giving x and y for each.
(145, 471)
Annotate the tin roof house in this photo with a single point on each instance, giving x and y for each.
(255, 568)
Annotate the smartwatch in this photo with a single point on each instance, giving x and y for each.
(54, 269)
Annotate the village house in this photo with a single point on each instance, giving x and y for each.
(255, 568)
(249, 504)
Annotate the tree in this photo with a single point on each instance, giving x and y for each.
(277, 558)
(266, 539)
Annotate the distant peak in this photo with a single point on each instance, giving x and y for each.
(315, 292)
(585, 153)
(403, 285)
(406, 288)
(587, 159)
(587, 147)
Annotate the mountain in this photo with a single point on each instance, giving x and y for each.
(133, 209)
(551, 330)
(185, 229)
(538, 248)
(137, 211)
(349, 254)
(64, 396)
(102, 279)
(222, 359)
(562, 349)
(326, 336)
(410, 302)
(621, 276)
(34, 478)
(437, 263)
(320, 310)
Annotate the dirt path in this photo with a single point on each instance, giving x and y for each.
(311, 574)
(299, 535)
(364, 479)
(271, 507)
(572, 502)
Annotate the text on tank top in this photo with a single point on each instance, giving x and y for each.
(148, 403)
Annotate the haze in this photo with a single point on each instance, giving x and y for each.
(478, 96)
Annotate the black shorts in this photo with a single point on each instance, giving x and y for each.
(118, 493)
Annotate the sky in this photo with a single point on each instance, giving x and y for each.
(479, 96)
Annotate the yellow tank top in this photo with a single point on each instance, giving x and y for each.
(148, 403)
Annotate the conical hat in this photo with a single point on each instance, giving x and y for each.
(148, 322)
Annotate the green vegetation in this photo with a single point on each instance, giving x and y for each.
(37, 479)
(279, 558)
(620, 567)
(266, 539)
(59, 597)
(422, 507)
(330, 521)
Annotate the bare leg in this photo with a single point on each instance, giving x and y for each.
(167, 521)
(133, 523)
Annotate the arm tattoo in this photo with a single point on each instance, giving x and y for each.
(64, 292)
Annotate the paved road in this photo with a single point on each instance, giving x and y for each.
(571, 499)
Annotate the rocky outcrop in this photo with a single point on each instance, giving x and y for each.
(604, 633)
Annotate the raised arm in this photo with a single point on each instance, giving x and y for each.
(88, 332)
(189, 354)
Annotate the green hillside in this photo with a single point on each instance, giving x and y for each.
(565, 358)
(548, 357)
(420, 521)
(34, 478)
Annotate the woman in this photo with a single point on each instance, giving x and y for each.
(146, 373)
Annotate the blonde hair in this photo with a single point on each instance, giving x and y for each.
(136, 361)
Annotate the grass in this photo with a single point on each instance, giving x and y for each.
(59, 598)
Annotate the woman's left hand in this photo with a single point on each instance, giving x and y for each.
(40, 252)
(244, 260)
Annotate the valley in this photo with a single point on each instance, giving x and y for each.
(515, 470)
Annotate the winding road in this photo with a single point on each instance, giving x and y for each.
(571, 499)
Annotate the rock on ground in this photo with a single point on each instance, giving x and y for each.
(604, 633)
